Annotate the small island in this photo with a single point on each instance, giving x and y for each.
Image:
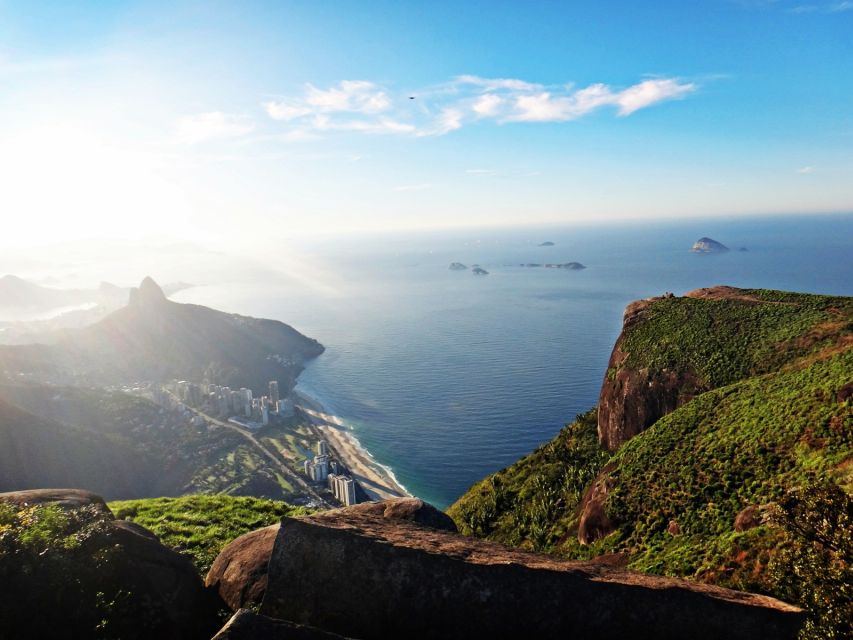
(571, 266)
(708, 245)
(547, 243)
(479, 271)
(458, 266)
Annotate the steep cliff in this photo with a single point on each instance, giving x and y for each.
(715, 406)
(672, 349)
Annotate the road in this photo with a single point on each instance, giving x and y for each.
(295, 480)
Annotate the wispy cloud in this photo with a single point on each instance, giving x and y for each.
(212, 125)
(366, 107)
(805, 170)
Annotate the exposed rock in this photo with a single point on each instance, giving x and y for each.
(239, 572)
(748, 518)
(156, 592)
(245, 625)
(479, 271)
(66, 498)
(355, 573)
(594, 523)
(844, 393)
(411, 509)
(457, 266)
(148, 293)
(673, 528)
(708, 245)
(631, 400)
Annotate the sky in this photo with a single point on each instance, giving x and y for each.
(231, 124)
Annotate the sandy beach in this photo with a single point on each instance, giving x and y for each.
(375, 479)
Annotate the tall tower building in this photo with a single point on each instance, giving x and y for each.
(274, 393)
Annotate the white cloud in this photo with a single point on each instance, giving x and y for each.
(546, 107)
(212, 126)
(365, 107)
(349, 96)
(805, 170)
(487, 105)
(495, 84)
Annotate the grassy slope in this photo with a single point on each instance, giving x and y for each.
(737, 445)
(201, 525)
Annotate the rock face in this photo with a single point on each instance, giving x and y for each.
(155, 592)
(239, 572)
(748, 518)
(708, 245)
(363, 575)
(631, 400)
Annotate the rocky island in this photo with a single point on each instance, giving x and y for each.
(708, 245)
(479, 271)
(547, 243)
(457, 266)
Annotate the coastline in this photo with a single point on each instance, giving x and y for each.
(377, 481)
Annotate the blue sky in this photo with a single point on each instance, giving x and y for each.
(217, 120)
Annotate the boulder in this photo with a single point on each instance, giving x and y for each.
(117, 581)
(66, 498)
(359, 574)
(246, 625)
(748, 518)
(239, 572)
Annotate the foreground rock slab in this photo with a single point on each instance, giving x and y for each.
(361, 575)
(239, 572)
(246, 625)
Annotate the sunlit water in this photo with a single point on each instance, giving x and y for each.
(446, 377)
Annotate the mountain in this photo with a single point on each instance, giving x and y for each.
(36, 452)
(18, 294)
(708, 245)
(153, 338)
(714, 407)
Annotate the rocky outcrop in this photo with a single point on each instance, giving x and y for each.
(359, 574)
(458, 266)
(708, 245)
(594, 522)
(246, 625)
(66, 498)
(239, 572)
(631, 400)
(118, 577)
(748, 518)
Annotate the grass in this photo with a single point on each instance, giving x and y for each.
(201, 525)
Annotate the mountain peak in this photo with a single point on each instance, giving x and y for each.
(149, 292)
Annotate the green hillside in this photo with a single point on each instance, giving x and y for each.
(668, 499)
(201, 525)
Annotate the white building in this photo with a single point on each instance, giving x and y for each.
(322, 448)
(318, 468)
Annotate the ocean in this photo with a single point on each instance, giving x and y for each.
(446, 377)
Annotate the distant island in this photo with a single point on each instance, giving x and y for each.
(479, 271)
(708, 245)
(571, 266)
(458, 266)
(547, 243)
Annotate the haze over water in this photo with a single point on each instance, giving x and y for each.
(447, 377)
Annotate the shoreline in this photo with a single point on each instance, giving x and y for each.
(377, 480)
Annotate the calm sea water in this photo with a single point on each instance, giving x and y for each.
(446, 377)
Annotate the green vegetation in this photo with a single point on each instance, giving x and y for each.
(201, 525)
(59, 562)
(533, 503)
(778, 420)
(726, 340)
